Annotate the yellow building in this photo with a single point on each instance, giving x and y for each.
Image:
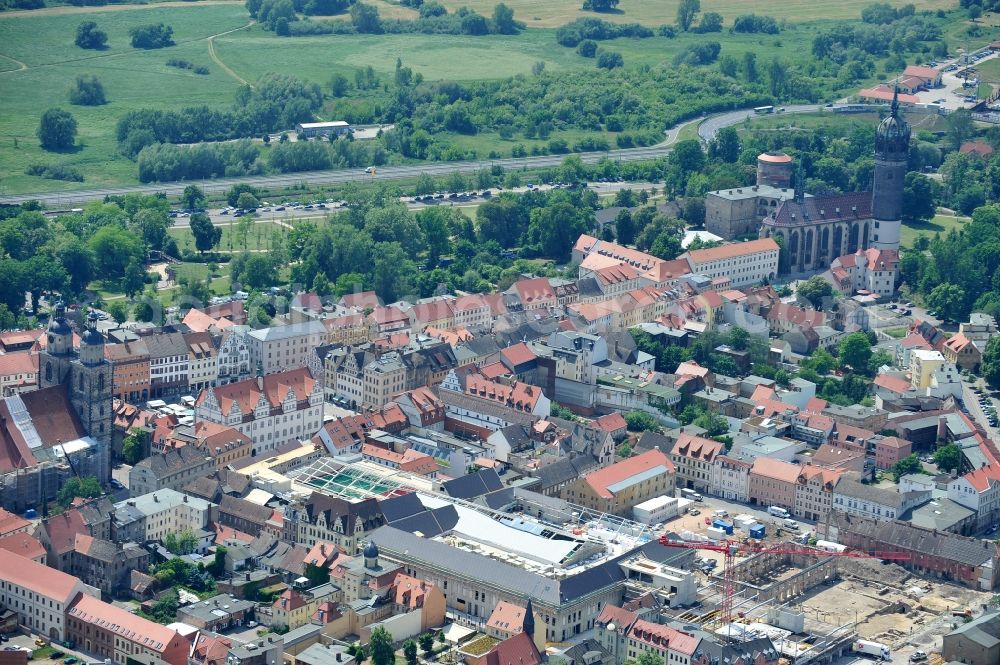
(923, 365)
(620, 487)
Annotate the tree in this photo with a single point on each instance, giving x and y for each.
(247, 201)
(948, 300)
(233, 195)
(154, 35)
(687, 156)
(206, 234)
(686, 11)
(503, 20)
(948, 458)
(135, 446)
(713, 423)
(640, 421)
(609, 59)
(599, 5)
(181, 542)
(89, 37)
(316, 574)
(365, 18)
(114, 249)
(410, 652)
(710, 22)
(87, 91)
(855, 350)
(427, 643)
(380, 647)
(906, 466)
(918, 197)
(193, 198)
(77, 487)
(57, 130)
(960, 127)
(133, 279)
(990, 368)
(118, 311)
(726, 145)
(816, 290)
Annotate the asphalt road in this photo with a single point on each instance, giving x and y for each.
(72, 198)
(707, 131)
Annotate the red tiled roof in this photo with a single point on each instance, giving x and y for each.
(518, 354)
(63, 528)
(976, 148)
(611, 422)
(10, 523)
(922, 72)
(602, 479)
(31, 575)
(520, 396)
(123, 623)
(775, 469)
(276, 387)
(506, 617)
(894, 383)
(533, 290)
(516, 650)
(23, 544)
(19, 362)
(697, 448)
(732, 250)
(663, 637)
(885, 93)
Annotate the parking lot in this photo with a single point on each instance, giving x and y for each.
(57, 654)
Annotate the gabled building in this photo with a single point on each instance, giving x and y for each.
(172, 469)
(694, 457)
(284, 348)
(620, 487)
(343, 523)
(39, 595)
(272, 410)
(120, 636)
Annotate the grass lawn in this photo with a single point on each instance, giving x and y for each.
(132, 79)
(940, 224)
(258, 238)
(896, 333)
(39, 62)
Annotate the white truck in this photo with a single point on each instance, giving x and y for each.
(876, 649)
(778, 511)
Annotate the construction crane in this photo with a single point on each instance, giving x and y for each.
(731, 549)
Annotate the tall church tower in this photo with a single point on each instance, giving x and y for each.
(892, 147)
(87, 377)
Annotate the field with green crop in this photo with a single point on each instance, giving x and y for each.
(558, 12)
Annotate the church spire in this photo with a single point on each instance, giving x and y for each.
(800, 184)
(529, 621)
(894, 107)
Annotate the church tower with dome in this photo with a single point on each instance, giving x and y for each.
(892, 147)
(86, 373)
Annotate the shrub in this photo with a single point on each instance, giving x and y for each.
(88, 36)
(55, 172)
(87, 91)
(152, 36)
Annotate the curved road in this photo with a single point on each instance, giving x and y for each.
(706, 131)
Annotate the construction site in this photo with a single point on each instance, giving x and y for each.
(814, 605)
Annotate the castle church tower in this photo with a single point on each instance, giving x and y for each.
(892, 147)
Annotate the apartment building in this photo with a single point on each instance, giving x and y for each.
(168, 364)
(164, 511)
(203, 361)
(745, 263)
(694, 458)
(130, 370)
(773, 483)
(173, 468)
(814, 492)
(39, 595)
(122, 637)
(284, 348)
(620, 487)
